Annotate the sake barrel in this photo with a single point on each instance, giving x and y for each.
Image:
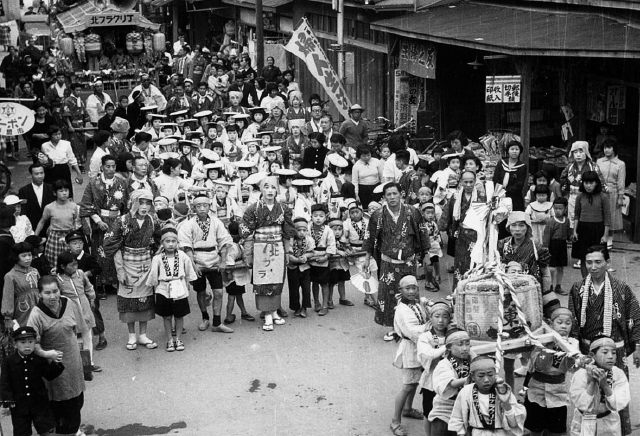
(92, 44)
(476, 308)
(159, 41)
(66, 45)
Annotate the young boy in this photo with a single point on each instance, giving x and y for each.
(22, 387)
(171, 270)
(547, 393)
(409, 322)
(446, 180)
(598, 392)
(450, 375)
(348, 190)
(298, 272)
(235, 280)
(431, 349)
(432, 271)
(325, 246)
(424, 196)
(487, 405)
(39, 261)
(91, 268)
(409, 181)
(556, 234)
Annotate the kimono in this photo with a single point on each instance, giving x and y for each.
(263, 229)
(293, 149)
(180, 103)
(447, 370)
(534, 259)
(302, 205)
(102, 203)
(331, 193)
(162, 282)
(207, 248)
(397, 246)
(410, 185)
(130, 245)
(571, 179)
(287, 196)
(95, 106)
(614, 172)
(75, 110)
(471, 417)
(597, 415)
(409, 322)
(278, 137)
(225, 210)
(354, 232)
(430, 350)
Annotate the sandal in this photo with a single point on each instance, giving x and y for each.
(170, 346)
(179, 345)
(398, 429)
(278, 321)
(413, 413)
(268, 327)
(149, 345)
(231, 319)
(132, 345)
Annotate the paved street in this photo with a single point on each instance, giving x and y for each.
(318, 376)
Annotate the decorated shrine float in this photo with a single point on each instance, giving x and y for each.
(501, 312)
(113, 41)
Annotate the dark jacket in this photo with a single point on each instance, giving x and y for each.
(247, 90)
(32, 209)
(89, 263)
(21, 380)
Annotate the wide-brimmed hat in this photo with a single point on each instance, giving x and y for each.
(356, 107)
(12, 200)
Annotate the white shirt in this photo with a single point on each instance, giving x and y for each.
(391, 170)
(96, 162)
(95, 107)
(60, 154)
(152, 96)
(38, 190)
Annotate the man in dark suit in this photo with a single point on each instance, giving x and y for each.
(37, 193)
(247, 89)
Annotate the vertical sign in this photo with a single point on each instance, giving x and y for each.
(502, 89)
(616, 104)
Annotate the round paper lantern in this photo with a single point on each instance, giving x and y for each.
(66, 45)
(159, 41)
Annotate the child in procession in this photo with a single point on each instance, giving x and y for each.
(298, 272)
(170, 273)
(325, 246)
(432, 271)
(340, 267)
(235, 280)
(539, 212)
(557, 232)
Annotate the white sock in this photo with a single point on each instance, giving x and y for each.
(268, 318)
(132, 338)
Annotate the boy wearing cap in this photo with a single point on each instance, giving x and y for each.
(409, 322)
(298, 271)
(487, 406)
(22, 387)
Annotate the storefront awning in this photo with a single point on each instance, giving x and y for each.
(557, 30)
(88, 15)
(267, 5)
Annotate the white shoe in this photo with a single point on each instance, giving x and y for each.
(577, 265)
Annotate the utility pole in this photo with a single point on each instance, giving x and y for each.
(341, 40)
(259, 38)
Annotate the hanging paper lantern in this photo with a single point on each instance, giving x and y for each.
(159, 41)
(66, 45)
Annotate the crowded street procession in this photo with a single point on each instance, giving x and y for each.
(212, 192)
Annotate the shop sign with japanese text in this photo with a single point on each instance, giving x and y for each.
(418, 58)
(100, 20)
(15, 119)
(502, 89)
(306, 46)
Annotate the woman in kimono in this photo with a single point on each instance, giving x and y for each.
(394, 238)
(451, 221)
(104, 200)
(614, 172)
(75, 116)
(278, 124)
(268, 232)
(129, 242)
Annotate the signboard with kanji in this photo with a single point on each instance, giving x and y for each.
(502, 89)
(15, 119)
(418, 58)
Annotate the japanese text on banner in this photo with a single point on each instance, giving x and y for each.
(306, 46)
(502, 89)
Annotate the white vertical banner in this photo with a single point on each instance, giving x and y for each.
(306, 46)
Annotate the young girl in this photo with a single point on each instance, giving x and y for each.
(62, 216)
(170, 273)
(592, 218)
(539, 211)
(270, 154)
(339, 268)
(295, 144)
(542, 178)
(556, 234)
(223, 206)
(331, 186)
(599, 392)
(20, 292)
(430, 350)
(75, 285)
(547, 394)
(253, 153)
(449, 377)
(409, 321)
(486, 406)
(257, 117)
